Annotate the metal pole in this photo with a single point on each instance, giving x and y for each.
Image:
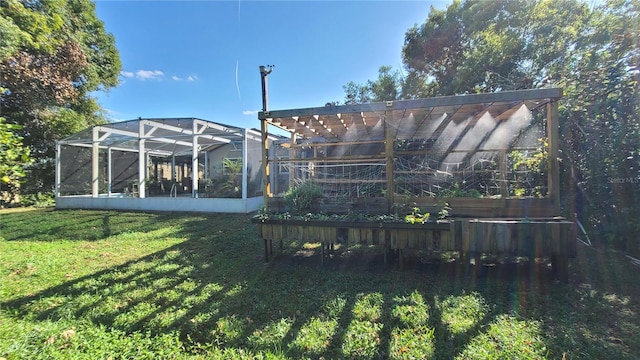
(109, 172)
(141, 160)
(194, 162)
(58, 168)
(95, 169)
(244, 166)
(264, 71)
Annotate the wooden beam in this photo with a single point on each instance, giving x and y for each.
(380, 107)
(265, 161)
(553, 132)
(389, 140)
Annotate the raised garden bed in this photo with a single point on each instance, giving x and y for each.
(533, 238)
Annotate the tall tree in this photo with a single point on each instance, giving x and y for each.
(388, 86)
(53, 54)
(13, 157)
(591, 51)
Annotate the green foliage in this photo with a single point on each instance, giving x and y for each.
(589, 50)
(229, 183)
(53, 55)
(39, 200)
(458, 191)
(388, 86)
(99, 284)
(461, 313)
(272, 336)
(528, 169)
(412, 338)
(13, 157)
(417, 217)
(302, 198)
(412, 343)
(411, 311)
(444, 209)
(227, 330)
(368, 307)
(313, 338)
(361, 340)
(508, 338)
(362, 336)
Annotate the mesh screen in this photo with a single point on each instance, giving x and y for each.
(477, 157)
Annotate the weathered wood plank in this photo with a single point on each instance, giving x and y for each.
(506, 96)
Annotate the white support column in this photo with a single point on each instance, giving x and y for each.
(109, 172)
(244, 164)
(95, 168)
(206, 165)
(147, 161)
(142, 168)
(58, 169)
(194, 163)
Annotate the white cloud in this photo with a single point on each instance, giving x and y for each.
(188, 78)
(116, 116)
(149, 74)
(249, 112)
(126, 74)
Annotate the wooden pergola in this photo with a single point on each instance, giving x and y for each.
(390, 121)
(501, 221)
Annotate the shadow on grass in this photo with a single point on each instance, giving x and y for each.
(214, 291)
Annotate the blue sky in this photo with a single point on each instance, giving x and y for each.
(201, 58)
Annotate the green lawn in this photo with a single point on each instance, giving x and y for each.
(111, 285)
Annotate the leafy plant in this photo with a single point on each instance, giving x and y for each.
(457, 191)
(302, 199)
(443, 213)
(417, 216)
(528, 170)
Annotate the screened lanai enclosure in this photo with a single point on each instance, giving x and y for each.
(177, 164)
(490, 160)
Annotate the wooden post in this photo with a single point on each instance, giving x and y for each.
(245, 165)
(389, 139)
(264, 71)
(553, 166)
(265, 162)
(504, 188)
(292, 165)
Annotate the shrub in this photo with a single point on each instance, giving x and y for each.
(302, 198)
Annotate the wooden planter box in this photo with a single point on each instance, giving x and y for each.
(541, 237)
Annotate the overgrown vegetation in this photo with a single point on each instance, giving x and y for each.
(53, 56)
(302, 198)
(100, 284)
(590, 50)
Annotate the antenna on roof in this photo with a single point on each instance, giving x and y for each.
(264, 71)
